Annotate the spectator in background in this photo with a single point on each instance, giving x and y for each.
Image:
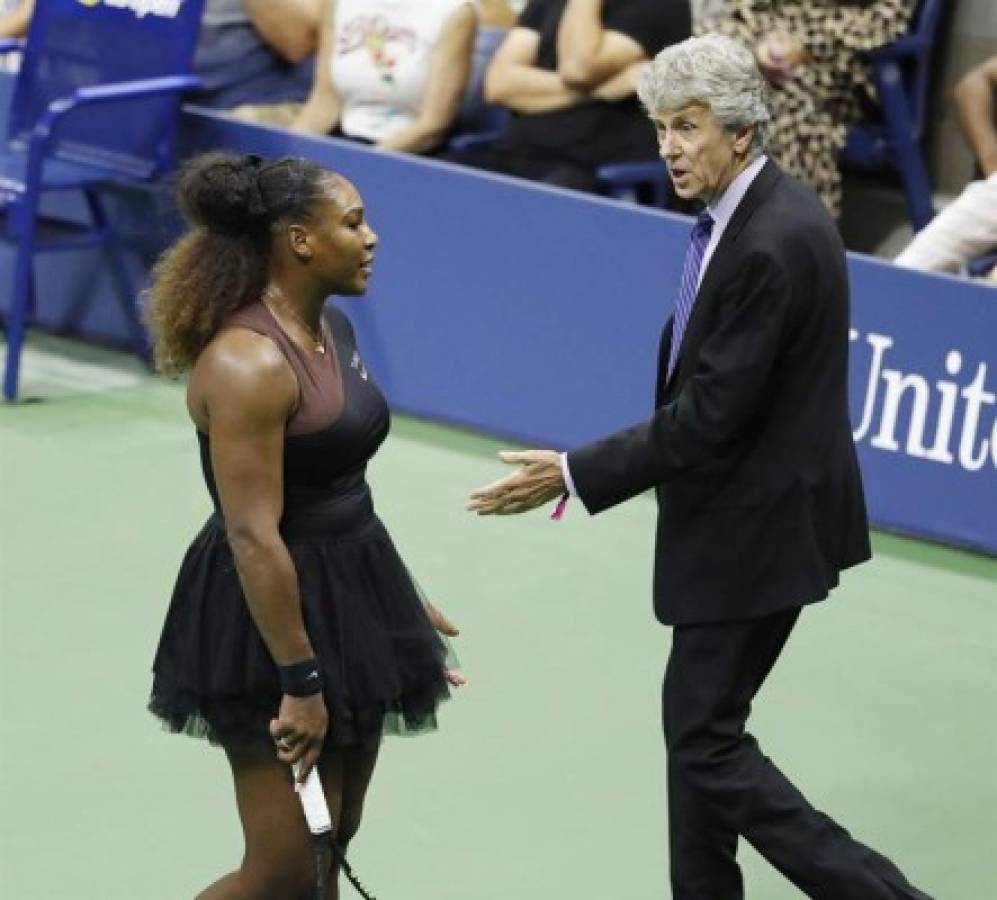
(567, 72)
(14, 18)
(811, 54)
(257, 55)
(967, 227)
(391, 72)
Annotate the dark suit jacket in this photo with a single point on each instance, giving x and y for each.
(750, 448)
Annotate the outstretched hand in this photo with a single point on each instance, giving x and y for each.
(538, 481)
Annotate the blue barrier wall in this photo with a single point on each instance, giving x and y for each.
(535, 313)
(922, 378)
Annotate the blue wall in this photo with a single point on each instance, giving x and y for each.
(923, 380)
(535, 313)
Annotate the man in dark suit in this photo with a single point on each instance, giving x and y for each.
(751, 455)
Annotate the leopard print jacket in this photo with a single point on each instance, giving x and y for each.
(812, 111)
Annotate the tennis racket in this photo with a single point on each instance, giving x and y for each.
(319, 821)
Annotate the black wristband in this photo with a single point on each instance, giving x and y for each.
(301, 679)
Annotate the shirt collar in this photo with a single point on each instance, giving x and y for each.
(724, 208)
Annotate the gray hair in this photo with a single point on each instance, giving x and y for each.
(715, 70)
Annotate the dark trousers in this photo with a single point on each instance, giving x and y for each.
(721, 786)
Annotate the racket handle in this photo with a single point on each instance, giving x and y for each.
(313, 802)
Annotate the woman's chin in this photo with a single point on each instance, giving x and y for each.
(356, 288)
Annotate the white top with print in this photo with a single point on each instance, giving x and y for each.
(380, 61)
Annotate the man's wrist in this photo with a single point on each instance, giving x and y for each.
(569, 483)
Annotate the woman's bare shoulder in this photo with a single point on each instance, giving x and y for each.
(241, 370)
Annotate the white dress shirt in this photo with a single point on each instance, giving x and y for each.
(722, 212)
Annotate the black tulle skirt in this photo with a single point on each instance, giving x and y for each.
(382, 662)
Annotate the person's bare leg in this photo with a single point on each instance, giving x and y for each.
(357, 768)
(279, 862)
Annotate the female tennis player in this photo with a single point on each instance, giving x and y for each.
(295, 633)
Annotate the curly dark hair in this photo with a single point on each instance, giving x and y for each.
(232, 204)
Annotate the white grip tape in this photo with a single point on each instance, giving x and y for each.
(313, 802)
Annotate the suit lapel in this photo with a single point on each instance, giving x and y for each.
(715, 272)
(664, 345)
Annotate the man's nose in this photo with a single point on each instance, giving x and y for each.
(666, 146)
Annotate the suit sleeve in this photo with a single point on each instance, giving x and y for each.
(727, 388)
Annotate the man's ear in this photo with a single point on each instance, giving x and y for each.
(299, 242)
(743, 138)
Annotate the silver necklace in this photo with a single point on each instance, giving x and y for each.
(318, 340)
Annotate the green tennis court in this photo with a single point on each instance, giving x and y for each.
(546, 779)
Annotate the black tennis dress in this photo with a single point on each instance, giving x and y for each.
(382, 662)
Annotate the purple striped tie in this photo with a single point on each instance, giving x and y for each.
(701, 232)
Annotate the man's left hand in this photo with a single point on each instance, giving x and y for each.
(538, 481)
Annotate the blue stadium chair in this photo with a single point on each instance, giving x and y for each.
(95, 103)
(982, 265)
(891, 139)
(646, 182)
(476, 115)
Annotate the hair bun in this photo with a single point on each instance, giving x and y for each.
(221, 192)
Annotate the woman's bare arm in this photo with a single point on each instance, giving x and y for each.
(514, 80)
(14, 24)
(290, 27)
(322, 110)
(248, 391)
(974, 98)
(588, 54)
(449, 70)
